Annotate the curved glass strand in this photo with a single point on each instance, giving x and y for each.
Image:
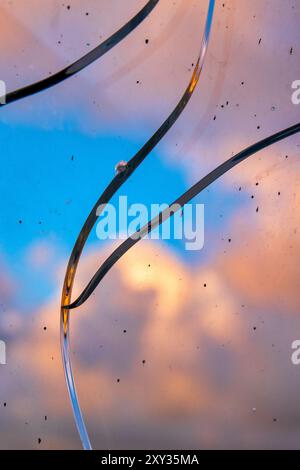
(111, 189)
(177, 205)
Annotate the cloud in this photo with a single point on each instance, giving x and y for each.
(261, 264)
(128, 91)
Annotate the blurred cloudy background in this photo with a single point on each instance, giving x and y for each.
(176, 349)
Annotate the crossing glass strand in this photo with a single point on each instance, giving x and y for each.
(84, 61)
(111, 189)
(177, 205)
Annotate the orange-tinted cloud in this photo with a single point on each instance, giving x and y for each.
(192, 363)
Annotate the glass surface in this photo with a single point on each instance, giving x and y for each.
(176, 348)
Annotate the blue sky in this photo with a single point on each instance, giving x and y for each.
(221, 319)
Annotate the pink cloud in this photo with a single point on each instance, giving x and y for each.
(190, 365)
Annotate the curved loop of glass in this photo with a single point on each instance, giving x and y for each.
(83, 62)
(111, 189)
